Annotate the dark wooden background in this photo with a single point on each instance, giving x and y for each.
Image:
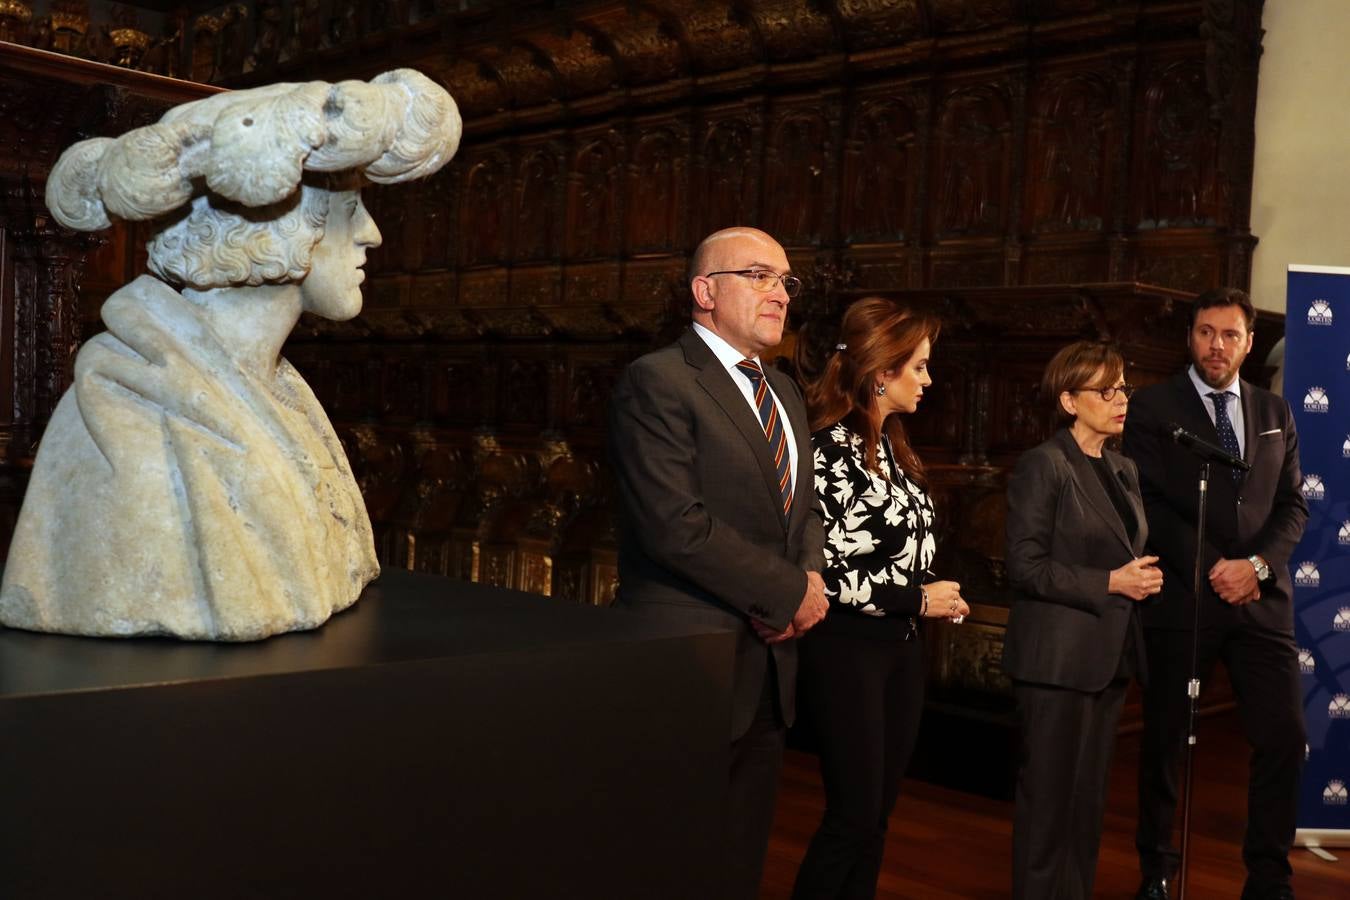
(1036, 170)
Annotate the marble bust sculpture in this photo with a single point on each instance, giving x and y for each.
(189, 484)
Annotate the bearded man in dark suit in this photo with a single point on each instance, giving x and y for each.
(1253, 522)
(719, 519)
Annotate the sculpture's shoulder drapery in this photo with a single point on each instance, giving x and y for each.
(213, 504)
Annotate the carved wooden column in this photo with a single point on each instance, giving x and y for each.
(1232, 33)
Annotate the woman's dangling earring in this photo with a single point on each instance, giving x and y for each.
(881, 390)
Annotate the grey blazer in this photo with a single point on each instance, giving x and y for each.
(703, 539)
(1064, 538)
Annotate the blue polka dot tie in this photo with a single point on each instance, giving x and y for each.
(1224, 425)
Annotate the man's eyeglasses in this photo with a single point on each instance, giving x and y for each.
(763, 280)
(1109, 393)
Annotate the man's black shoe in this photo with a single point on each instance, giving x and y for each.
(1152, 889)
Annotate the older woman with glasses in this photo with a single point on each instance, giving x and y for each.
(1076, 534)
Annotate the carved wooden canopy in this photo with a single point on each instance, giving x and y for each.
(533, 62)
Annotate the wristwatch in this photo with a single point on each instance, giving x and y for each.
(1261, 566)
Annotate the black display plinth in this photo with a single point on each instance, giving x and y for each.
(439, 739)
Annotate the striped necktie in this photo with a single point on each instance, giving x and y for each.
(773, 429)
(1224, 426)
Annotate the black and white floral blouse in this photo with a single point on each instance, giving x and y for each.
(879, 540)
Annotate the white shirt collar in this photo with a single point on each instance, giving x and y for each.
(1204, 390)
(726, 354)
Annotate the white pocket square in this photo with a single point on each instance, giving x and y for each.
(1271, 431)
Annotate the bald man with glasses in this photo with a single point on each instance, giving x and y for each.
(719, 519)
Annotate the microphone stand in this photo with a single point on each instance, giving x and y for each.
(1193, 686)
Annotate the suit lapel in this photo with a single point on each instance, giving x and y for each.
(1080, 470)
(716, 380)
(1130, 488)
(1249, 423)
(1192, 407)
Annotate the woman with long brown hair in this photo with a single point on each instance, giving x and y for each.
(862, 673)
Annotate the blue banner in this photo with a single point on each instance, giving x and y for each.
(1317, 386)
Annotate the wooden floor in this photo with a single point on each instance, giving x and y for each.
(946, 845)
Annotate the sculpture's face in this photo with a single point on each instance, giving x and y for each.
(332, 288)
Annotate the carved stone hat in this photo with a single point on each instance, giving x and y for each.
(252, 147)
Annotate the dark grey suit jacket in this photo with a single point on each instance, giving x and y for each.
(1064, 538)
(1262, 512)
(703, 539)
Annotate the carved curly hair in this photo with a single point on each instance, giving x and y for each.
(218, 245)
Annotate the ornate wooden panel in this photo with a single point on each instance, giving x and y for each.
(793, 29)
(594, 203)
(463, 388)
(536, 286)
(880, 23)
(485, 211)
(884, 165)
(727, 177)
(800, 169)
(593, 285)
(1074, 148)
(1177, 148)
(970, 15)
(646, 50)
(583, 66)
(538, 198)
(973, 157)
(658, 185)
(590, 374)
(484, 287)
(1066, 260)
(434, 234)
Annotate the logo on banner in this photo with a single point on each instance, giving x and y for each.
(1339, 707)
(1313, 488)
(1320, 313)
(1307, 575)
(1335, 794)
(1343, 536)
(1306, 664)
(1341, 622)
(1345, 448)
(1315, 401)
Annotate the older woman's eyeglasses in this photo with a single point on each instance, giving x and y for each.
(765, 281)
(1109, 393)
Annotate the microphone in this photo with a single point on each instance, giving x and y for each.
(1204, 449)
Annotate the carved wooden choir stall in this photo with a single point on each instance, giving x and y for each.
(1036, 170)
